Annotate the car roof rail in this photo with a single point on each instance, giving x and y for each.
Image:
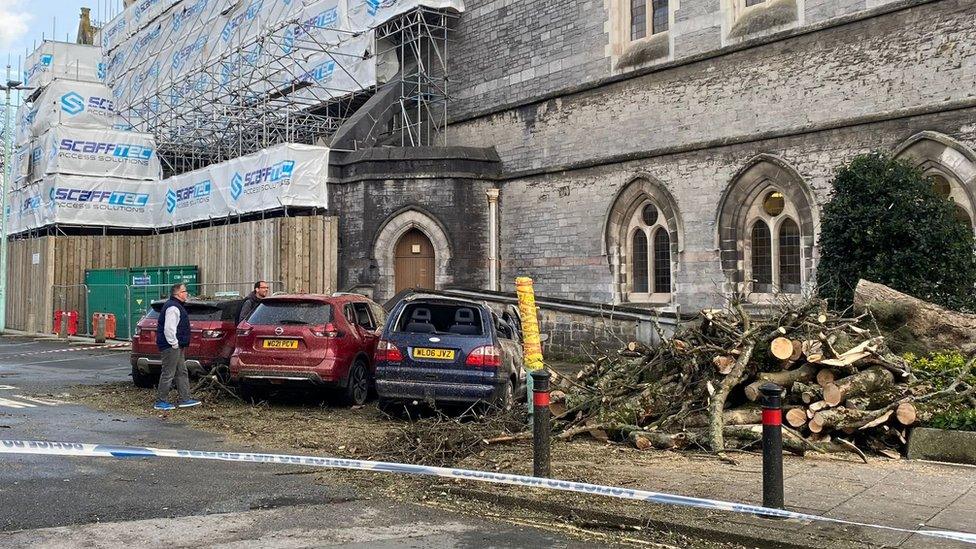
(339, 294)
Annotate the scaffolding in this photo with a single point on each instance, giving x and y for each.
(260, 92)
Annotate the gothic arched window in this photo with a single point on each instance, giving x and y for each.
(650, 255)
(773, 251)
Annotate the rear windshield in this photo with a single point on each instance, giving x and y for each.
(437, 318)
(203, 312)
(291, 312)
(198, 311)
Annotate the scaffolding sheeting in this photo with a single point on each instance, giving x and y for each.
(214, 80)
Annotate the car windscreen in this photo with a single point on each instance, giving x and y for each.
(440, 318)
(291, 312)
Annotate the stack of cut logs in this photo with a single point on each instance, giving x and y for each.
(857, 390)
(844, 391)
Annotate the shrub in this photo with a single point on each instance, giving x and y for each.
(939, 370)
(885, 222)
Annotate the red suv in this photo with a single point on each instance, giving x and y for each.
(309, 340)
(212, 335)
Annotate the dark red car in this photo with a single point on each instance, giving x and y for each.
(213, 326)
(309, 340)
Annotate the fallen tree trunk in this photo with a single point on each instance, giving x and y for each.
(644, 440)
(808, 393)
(784, 379)
(939, 327)
(716, 405)
(862, 383)
(843, 419)
(792, 443)
(736, 416)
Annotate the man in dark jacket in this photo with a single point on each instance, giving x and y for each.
(253, 299)
(172, 338)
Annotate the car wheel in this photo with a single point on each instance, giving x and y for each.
(357, 389)
(507, 400)
(250, 394)
(223, 373)
(393, 408)
(143, 381)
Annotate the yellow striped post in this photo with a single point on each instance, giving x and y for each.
(531, 345)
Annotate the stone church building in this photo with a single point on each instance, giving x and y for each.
(653, 152)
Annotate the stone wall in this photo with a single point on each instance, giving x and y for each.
(572, 327)
(379, 193)
(849, 77)
(507, 50)
(510, 51)
(919, 57)
(553, 224)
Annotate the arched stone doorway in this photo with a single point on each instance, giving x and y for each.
(390, 236)
(414, 264)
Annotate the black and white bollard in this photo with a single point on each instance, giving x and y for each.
(541, 427)
(772, 445)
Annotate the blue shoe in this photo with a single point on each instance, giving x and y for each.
(188, 403)
(163, 405)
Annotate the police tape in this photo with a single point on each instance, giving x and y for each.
(73, 449)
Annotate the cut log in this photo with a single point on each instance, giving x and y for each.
(937, 327)
(784, 379)
(716, 402)
(781, 348)
(863, 383)
(797, 417)
(825, 376)
(877, 399)
(843, 419)
(906, 414)
(644, 440)
(736, 416)
(808, 393)
(797, 351)
(817, 406)
(877, 421)
(638, 347)
(793, 443)
(724, 364)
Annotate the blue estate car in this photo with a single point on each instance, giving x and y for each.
(445, 350)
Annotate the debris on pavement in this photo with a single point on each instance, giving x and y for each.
(845, 391)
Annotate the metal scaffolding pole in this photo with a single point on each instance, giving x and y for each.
(259, 92)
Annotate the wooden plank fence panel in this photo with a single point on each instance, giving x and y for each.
(300, 252)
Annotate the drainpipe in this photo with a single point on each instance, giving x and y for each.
(492, 195)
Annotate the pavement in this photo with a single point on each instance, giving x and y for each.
(896, 493)
(51, 501)
(900, 493)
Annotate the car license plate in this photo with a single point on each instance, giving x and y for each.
(434, 354)
(280, 344)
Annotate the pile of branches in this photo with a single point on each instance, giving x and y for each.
(444, 440)
(843, 390)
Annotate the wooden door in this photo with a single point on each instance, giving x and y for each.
(414, 263)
